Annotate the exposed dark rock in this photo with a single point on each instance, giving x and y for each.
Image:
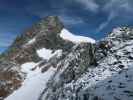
(130, 57)
(121, 66)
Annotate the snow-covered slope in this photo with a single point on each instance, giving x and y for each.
(65, 34)
(36, 80)
(34, 84)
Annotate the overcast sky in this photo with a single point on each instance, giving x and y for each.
(93, 18)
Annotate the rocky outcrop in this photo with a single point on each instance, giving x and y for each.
(69, 69)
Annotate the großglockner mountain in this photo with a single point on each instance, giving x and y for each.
(48, 62)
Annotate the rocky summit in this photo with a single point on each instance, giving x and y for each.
(48, 62)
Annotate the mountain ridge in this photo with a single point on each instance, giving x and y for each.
(44, 34)
(60, 69)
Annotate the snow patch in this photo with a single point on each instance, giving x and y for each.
(31, 41)
(47, 53)
(65, 34)
(44, 53)
(117, 31)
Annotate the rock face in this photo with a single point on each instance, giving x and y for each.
(67, 70)
(10, 78)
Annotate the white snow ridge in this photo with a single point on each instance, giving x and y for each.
(65, 34)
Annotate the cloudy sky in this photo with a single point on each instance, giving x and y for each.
(93, 18)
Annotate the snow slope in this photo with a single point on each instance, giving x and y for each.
(65, 34)
(33, 85)
(35, 81)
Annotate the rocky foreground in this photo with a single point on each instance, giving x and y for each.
(48, 62)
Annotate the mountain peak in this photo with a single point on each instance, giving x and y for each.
(51, 24)
(48, 25)
(48, 33)
(47, 44)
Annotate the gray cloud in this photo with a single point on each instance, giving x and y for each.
(106, 23)
(74, 8)
(89, 5)
(116, 8)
